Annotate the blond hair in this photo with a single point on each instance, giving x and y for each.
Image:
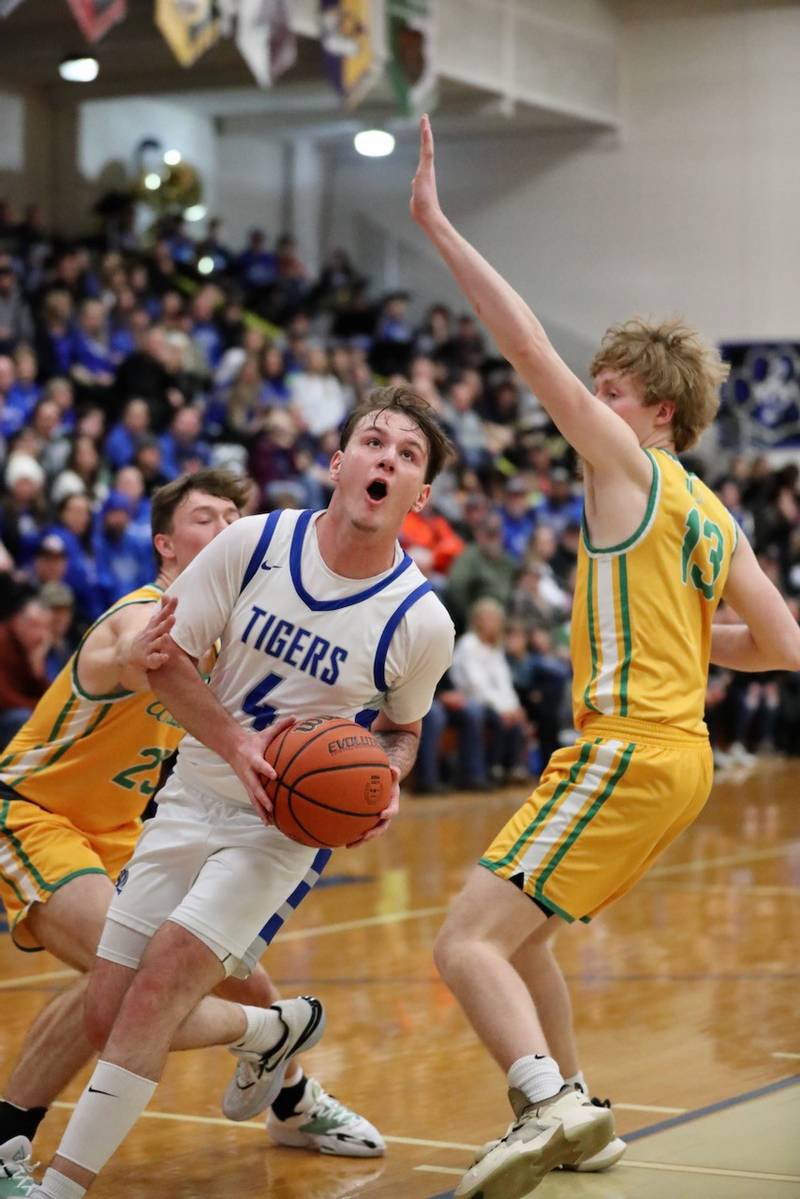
(673, 364)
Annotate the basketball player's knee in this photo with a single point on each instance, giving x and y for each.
(449, 949)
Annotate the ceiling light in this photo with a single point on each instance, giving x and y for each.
(79, 70)
(195, 212)
(206, 265)
(374, 143)
(172, 158)
(152, 181)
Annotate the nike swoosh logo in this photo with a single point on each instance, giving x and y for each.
(96, 1091)
(267, 566)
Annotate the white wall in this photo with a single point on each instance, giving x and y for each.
(251, 183)
(692, 208)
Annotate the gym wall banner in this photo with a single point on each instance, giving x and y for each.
(264, 35)
(347, 38)
(761, 399)
(190, 27)
(96, 17)
(412, 53)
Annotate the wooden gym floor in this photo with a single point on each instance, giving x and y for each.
(685, 999)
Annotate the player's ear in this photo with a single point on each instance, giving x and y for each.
(422, 499)
(163, 544)
(335, 465)
(665, 412)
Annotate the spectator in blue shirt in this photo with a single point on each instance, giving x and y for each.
(126, 435)
(561, 507)
(123, 564)
(205, 332)
(74, 527)
(93, 364)
(257, 266)
(182, 448)
(128, 480)
(517, 516)
(54, 334)
(25, 391)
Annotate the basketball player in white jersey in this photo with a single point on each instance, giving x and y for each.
(317, 613)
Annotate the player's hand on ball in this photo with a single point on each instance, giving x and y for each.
(388, 813)
(150, 648)
(252, 767)
(424, 199)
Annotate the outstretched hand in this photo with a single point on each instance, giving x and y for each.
(252, 768)
(150, 648)
(424, 199)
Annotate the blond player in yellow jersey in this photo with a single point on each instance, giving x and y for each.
(73, 785)
(658, 553)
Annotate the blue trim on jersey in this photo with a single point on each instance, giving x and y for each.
(307, 883)
(270, 524)
(295, 559)
(379, 669)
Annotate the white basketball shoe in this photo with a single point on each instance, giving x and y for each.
(321, 1123)
(259, 1076)
(567, 1129)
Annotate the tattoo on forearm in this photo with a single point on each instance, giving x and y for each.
(400, 748)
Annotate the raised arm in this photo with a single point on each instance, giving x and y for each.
(769, 638)
(600, 436)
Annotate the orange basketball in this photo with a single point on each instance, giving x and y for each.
(333, 781)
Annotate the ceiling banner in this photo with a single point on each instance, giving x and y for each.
(96, 17)
(347, 37)
(190, 27)
(412, 58)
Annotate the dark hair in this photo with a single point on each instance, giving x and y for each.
(223, 484)
(402, 399)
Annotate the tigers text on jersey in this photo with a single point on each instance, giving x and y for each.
(95, 759)
(297, 639)
(641, 620)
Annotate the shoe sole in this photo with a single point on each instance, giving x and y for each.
(308, 1038)
(525, 1166)
(292, 1139)
(585, 1167)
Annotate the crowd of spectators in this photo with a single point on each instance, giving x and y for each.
(125, 361)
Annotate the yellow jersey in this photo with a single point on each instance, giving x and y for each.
(641, 620)
(93, 758)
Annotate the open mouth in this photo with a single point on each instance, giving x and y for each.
(377, 490)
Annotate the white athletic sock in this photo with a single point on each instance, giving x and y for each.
(537, 1076)
(264, 1027)
(57, 1186)
(105, 1113)
(578, 1080)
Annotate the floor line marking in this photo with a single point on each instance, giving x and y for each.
(755, 889)
(221, 1122)
(791, 1057)
(324, 930)
(734, 859)
(670, 1167)
(26, 980)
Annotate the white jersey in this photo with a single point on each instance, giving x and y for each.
(299, 640)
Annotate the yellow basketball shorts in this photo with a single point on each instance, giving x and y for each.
(604, 809)
(41, 851)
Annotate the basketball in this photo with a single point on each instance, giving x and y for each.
(333, 781)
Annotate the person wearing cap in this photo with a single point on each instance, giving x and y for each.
(22, 510)
(49, 561)
(60, 602)
(123, 563)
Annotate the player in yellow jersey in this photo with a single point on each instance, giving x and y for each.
(74, 782)
(658, 553)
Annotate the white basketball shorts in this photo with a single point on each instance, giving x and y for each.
(211, 866)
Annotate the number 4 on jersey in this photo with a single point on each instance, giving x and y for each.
(691, 571)
(253, 703)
